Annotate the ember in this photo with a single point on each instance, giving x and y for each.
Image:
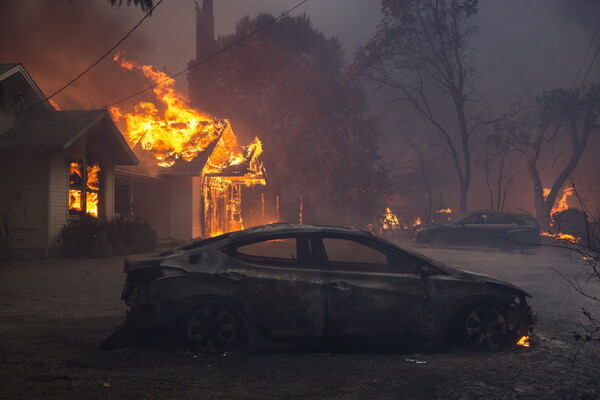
(524, 341)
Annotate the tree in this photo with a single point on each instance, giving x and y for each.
(558, 118)
(420, 53)
(145, 5)
(285, 84)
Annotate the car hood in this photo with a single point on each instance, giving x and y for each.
(482, 278)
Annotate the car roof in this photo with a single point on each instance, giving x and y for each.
(284, 227)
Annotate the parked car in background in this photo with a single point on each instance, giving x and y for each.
(480, 228)
(291, 283)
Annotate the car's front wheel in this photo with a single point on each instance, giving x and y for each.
(213, 328)
(486, 328)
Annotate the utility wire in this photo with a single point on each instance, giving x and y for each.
(224, 49)
(585, 57)
(101, 58)
(526, 60)
(590, 67)
(191, 66)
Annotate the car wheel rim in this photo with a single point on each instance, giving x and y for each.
(212, 329)
(486, 328)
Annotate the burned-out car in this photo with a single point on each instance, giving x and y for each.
(288, 283)
(480, 228)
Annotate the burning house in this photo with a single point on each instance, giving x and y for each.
(192, 171)
(181, 171)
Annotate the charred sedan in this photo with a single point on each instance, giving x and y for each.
(286, 283)
(479, 228)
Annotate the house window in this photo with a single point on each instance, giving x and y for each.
(84, 188)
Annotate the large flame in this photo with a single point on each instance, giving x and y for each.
(178, 132)
(172, 130)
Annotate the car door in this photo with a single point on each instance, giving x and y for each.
(474, 230)
(374, 291)
(280, 292)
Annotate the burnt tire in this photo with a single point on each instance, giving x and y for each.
(485, 327)
(213, 328)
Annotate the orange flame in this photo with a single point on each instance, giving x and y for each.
(445, 211)
(562, 203)
(390, 220)
(524, 341)
(562, 236)
(179, 132)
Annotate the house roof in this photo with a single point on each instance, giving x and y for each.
(54, 128)
(7, 67)
(62, 129)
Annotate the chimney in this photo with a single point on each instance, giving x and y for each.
(205, 30)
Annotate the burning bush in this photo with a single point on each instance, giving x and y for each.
(93, 238)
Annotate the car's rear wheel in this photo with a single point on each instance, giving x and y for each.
(213, 328)
(486, 328)
(440, 240)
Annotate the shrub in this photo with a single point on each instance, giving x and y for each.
(91, 237)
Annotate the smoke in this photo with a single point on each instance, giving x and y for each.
(56, 40)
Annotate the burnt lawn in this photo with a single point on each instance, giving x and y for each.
(54, 314)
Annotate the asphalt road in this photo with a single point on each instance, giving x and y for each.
(54, 314)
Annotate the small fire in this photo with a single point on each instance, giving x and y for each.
(418, 221)
(562, 203)
(562, 236)
(445, 211)
(390, 220)
(524, 341)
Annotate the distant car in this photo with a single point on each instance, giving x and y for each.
(479, 228)
(288, 283)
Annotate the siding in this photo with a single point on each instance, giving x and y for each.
(196, 216)
(59, 186)
(7, 120)
(180, 207)
(107, 190)
(23, 192)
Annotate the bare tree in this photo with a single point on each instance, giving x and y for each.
(559, 119)
(586, 249)
(420, 52)
(498, 166)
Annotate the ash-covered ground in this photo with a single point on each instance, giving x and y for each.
(55, 313)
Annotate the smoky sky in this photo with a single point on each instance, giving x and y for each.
(522, 47)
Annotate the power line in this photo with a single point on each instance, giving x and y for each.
(191, 66)
(585, 56)
(590, 67)
(525, 61)
(101, 58)
(224, 49)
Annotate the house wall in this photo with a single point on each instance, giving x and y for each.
(24, 195)
(196, 207)
(180, 207)
(151, 204)
(59, 186)
(107, 190)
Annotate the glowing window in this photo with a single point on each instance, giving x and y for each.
(84, 188)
